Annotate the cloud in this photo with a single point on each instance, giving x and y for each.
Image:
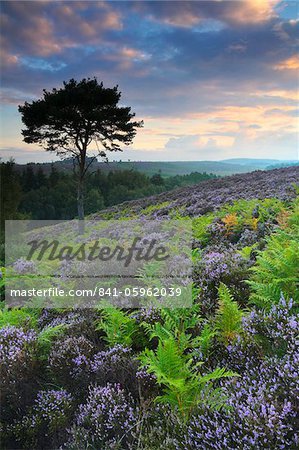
(211, 69)
(188, 13)
(255, 126)
(293, 112)
(43, 28)
(96, 38)
(8, 60)
(23, 155)
(291, 63)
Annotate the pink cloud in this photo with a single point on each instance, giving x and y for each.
(291, 63)
(50, 27)
(189, 13)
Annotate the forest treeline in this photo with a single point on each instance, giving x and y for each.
(37, 195)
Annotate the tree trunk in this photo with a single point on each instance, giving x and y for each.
(80, 206)
(80, 202)
(80, 188)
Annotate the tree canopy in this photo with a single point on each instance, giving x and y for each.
(68, 120)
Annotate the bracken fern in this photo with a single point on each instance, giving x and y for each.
(228, 319)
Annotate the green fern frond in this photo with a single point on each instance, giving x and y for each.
(277, 268)
(228, 316)
(47, 336)
(118, 326)
(18, 317)
(205, 339)
(183, 386)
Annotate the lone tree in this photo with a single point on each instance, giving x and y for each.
(68, 120)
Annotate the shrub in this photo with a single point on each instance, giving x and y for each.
(79, 322)
(224, 266)
(19, 370)
(45, 426)
(264, 408)
(116, 365)
(264, 333)
(262, 415)
(22, 266)
(46, 337)
(147, 384)
(106, 421)
(161, 428)
(274, 331)
(69, 362)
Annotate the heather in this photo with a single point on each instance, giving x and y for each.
(222, 374)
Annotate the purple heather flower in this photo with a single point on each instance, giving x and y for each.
(107, 418)
(23, 266)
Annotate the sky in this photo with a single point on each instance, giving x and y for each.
(211, 79)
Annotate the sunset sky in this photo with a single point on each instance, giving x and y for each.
(210, 79)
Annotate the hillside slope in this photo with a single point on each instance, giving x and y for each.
(209, 195)
(225, 368)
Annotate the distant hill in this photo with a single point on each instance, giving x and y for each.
(171, 168)
(282, 164)
(257, 163)
(267, 164)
